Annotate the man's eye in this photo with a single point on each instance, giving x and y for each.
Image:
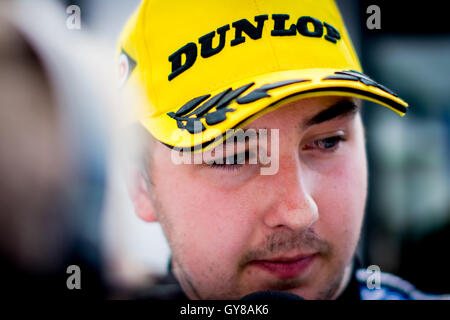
(231, 163)
(327, 145)
(228, 167)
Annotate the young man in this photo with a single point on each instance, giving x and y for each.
(286, 72)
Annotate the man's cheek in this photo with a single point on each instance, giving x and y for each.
(213, 224)
(341, 202)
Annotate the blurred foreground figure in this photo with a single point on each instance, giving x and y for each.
(52, 157)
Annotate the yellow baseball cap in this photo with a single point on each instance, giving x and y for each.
(206, 66)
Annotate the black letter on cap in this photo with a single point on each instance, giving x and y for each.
(206, 42)
(332, 34)
(252, 31)
(302, 27)
(190, 50)
(279, 26)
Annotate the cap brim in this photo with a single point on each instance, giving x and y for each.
(202, 122)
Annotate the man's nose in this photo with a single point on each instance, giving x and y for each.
(292, 204)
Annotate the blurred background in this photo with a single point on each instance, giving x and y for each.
(407, 225)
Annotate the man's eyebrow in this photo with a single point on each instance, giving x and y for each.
(340, 109)
(257, 134)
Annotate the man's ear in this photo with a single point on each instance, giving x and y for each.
(140, 197)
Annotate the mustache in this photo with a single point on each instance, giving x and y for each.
(285, 241)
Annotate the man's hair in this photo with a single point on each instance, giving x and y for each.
(140, 146)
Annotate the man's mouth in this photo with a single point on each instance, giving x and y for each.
(286, 267)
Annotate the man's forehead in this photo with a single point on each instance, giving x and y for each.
(309, 111)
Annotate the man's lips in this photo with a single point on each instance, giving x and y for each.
(286, 267)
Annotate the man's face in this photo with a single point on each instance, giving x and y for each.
(233, 231)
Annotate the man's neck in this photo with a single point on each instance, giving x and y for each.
(345, 281)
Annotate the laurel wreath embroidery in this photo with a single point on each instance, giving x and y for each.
(353, 75)
(189, 116)
(190, 119)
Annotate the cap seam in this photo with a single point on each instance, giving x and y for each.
(146, 75)
(268, 39)
(355, 57)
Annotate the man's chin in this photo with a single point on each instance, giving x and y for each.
(295, 286)
(322, 290)
(312, 292)
(309, 288)
(303, 292)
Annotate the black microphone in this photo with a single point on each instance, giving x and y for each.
(271, 295)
